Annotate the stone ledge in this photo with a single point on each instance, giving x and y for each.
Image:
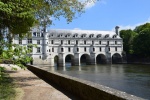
(83, 89)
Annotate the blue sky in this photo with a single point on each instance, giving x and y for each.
(106, 14)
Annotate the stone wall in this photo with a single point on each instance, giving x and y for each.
(82, 88)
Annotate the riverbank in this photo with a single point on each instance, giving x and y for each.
(29, 87)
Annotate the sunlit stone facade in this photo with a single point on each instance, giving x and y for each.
(95, 46)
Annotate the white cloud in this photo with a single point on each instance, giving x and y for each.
(77, 29)
(91, 3)
(122, 27)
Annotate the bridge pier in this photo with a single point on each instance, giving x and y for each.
(93, 59)
(109, 59)
(77, 59)
(61, 60)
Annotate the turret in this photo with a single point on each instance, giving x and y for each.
(117, 30)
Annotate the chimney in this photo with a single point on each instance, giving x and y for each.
(117, 30)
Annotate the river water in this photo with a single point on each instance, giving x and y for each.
(133, 79)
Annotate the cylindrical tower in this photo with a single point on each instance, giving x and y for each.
(117, 30)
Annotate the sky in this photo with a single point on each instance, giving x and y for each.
(106, 14)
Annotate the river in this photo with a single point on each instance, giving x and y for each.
(133, 79)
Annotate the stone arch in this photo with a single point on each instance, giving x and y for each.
(69, 59)
(85, 58)
(101, 59)
(56, 60)
(116, 58)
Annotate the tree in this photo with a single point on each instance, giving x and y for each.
(128, 37)
(140, 28)
(141, 44)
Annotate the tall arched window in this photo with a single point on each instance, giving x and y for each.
(61, 41)
(52, 42)
(52, 49)
(62, 49)
(84, 41)
(115, 48)
(99, 42)
(85, 49)
(93, 49)
(100, 49)
(76, 41)
(77, 49)
(68, 41)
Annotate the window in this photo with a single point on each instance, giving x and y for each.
(52, 49)
(29, 41)
(92, 42)
(107, 42)
(38, 41)
(109, 49)
(68, 41)
(85, 49)
(34, 33)
(91, 36)
(49, 50)
(115, 42)
(115, 48)
(69, 49)
(93, 49)
(77, 49)
(38, 49)
(20, 41)
(61, 41)
(52, 42)
(38, 34)
(84, 42)
(62, 49)
(76, 41)
(40, 57)
(99, 42)
(100, 49)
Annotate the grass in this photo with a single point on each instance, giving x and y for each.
(7, 88)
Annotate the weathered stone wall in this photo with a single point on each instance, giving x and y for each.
(81, 88)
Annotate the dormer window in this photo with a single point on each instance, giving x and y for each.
(106, 36)
(98, 36)
(91, 36)
(114, 36)
(75, 35)
(38, 34)
(68, 35)
(34, 33)
(83, 35)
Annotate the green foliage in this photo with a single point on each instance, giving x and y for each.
(141, 44)
(128, 37)
(140, 28)
(2, 69)
(137, 41)
(7, 91)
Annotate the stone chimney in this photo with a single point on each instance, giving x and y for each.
(117, 30)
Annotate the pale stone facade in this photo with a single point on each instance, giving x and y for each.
(93, 45)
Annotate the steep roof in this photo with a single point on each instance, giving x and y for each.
(57, 32)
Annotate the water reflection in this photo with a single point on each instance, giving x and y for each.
(133, 79)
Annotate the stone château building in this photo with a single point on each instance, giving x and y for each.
(75, 46)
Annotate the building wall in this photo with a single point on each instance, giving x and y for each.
(57, 42)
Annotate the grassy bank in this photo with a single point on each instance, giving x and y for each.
(7, 87)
